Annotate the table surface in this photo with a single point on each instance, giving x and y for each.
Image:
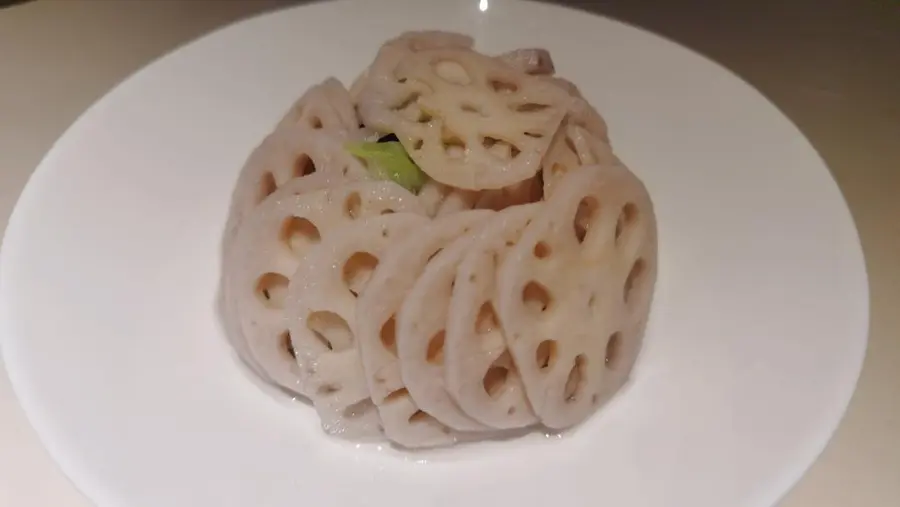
(833, 66)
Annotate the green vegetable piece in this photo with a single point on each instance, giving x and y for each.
(389, 161)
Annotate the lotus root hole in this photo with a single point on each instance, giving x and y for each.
(417, 144)
(536, 297)
(286, 346)
(452, 72)
(330, 330)
(419, 416)
(542, 250)
(495, 380)
(545, 355)
(534, 135)
(503, 86)
(472, 108)
(271, 288)
(487, 319)
(408, 101)
(453, 145)
(424, 117)
(530, 107)
(626, 218)
(576, 380)
(315, 122)
(613, 349)
(359, 409)
(357, 271)
(511, 411)
(267, 186)
(299, 234)
(352, 204)
(388, 335)
(435, 352)
(586, 213)
(328, 389)
(303, 166)
(637, 269)
(396, 395)
(499, 148)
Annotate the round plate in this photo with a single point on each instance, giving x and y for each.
(110, 266)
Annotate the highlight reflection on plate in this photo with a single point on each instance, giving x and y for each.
(109, 271)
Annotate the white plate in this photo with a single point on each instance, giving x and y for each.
(109, 273)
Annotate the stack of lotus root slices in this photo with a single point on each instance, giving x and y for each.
(446, 251)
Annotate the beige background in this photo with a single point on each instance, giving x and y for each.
(833, 66)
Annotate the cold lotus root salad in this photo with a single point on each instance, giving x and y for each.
(444, 252)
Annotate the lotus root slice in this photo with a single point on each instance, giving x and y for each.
(479, 371)
(470, 121)
(228, 299)
(285, 155)
(574, 293)
(421, 331)
(574, 146)
(322, 298)
(376, 330)
(273, 244)
(326, 106)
